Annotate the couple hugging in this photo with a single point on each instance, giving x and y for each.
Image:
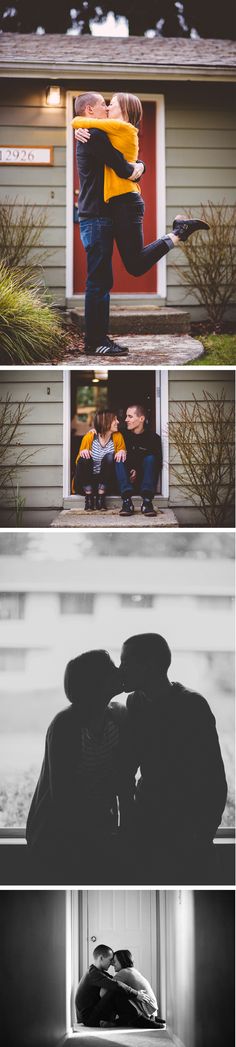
(127, 791)
(111, 207)
(126, 999)
(133, 462)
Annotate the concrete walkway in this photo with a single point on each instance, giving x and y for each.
(112, 518)
(143, 349)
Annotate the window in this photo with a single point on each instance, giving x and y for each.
(77, 603)
(138, 600)
(12, 659)
(12, 605)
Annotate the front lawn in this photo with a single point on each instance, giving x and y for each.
(219, 349)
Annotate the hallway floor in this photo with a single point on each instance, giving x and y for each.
(136, 1038)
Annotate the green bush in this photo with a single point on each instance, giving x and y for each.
(211, 272)
(30, 330)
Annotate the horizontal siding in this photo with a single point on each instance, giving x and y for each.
(25, 119)
(181, 390)
(200, 164)
(41, 438)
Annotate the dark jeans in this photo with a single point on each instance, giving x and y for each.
(146, 481)
(127, 212)
(110, 472)
(97, 239)
(115, 1002)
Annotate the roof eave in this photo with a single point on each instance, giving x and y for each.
(129, 70)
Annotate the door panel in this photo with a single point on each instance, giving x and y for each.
(123, 282)
(125, 919)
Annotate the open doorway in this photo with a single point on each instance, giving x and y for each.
(85, 391)
(127, 919)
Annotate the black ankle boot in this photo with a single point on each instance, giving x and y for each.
(89, 503)
(184, 227)
(101, 501)
(127, 507)
(147, 507)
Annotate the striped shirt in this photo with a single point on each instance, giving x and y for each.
(98, 452)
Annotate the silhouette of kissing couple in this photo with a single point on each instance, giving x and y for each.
(131, 792)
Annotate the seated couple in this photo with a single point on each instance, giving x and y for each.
(132, 462)
(125, 999)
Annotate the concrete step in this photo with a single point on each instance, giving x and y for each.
(165, 518)
(140, 319)
(170, 350)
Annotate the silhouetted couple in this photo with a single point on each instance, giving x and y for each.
(90, 816)
(124, 999)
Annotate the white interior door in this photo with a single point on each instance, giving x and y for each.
(125, 919)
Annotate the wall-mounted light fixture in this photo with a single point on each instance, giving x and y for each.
(53, 95)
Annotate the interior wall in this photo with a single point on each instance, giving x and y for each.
(200, 967)
(32, 934)
(180, 966)
(214, 952)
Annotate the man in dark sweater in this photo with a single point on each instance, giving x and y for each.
(182, 789)
(100, 998)
(139, 473)
(96, 225)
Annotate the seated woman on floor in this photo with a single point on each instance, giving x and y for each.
(126, 972)
(98, 462)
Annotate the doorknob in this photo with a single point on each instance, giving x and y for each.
(93, 938)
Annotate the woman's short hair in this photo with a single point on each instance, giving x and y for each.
(131, 108)
(124, 956)
(103, 421)
(84, 681)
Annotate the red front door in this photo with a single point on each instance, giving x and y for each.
(123, 282)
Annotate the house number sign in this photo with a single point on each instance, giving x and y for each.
(26, 155)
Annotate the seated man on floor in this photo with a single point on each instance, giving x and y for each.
(115, 1006)
(143, 464)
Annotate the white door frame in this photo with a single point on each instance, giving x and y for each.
(160, 197)
(161, 380)
(76, 937)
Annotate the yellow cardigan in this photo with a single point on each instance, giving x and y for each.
(87, 441)
(122, 136)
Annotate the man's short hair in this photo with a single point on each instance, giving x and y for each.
(82, 101)
(139, 408)
(102, 950)
(149, 648)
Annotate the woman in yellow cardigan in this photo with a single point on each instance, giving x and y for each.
(101, 452)
(123, 197)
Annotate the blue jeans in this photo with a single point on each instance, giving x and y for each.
(97, 239)
(146, 478)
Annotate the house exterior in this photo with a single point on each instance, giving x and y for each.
(45, 435)
(187, 91)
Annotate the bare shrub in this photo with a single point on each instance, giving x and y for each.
(202, 435)
(13, 453)
(21, 229)
(211, 256)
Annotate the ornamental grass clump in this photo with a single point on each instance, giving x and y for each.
(203, 456)
(30, 330)
(210, 275)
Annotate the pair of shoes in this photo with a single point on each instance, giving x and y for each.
(127, 507)
(107, 348)
(184, 227)
(89, 502)
(147, 507)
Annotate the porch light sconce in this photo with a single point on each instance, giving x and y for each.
(53, 95)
